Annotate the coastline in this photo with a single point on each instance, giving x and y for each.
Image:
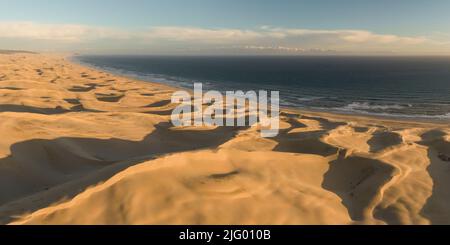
(388, 118)
(82, 146)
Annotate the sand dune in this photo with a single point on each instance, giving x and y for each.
(81, 146)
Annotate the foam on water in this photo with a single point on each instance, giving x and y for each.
(413, 87)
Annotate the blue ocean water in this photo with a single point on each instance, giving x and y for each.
(417, 87)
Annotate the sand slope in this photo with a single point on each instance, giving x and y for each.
(81, 146)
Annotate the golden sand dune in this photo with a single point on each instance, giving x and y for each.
(81, 146)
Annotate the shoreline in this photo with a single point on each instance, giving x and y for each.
(414, 120)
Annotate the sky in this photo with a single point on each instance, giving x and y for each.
(404, 27)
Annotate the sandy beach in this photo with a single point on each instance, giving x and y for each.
(81, 146)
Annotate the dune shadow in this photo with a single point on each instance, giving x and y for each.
(100, 85)
(436, 208)
(357, 181)
(81, 108)
(12, 88)
(31, 109)
(73, 101)
(303, 142)
(160, 113)
(295, 123)
(81, 89)
(45, 111)
(38, 166)
(159, 103)
(361, 129)
(325, 123)
(289, 115)
(54, 79)
(111, 98)
(224, 176)
(384, 139)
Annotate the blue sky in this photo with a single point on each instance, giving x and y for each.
(267, 26)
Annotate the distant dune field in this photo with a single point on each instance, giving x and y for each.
(15, 52)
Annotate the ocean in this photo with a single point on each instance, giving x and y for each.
(413, 87)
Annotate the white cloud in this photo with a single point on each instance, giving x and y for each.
(66, 32)
(203, 35)
(352, 36)
(56, 32)
(285, 49)
(365, 36)
(265, 38)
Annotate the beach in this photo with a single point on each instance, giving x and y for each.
(82, 146)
